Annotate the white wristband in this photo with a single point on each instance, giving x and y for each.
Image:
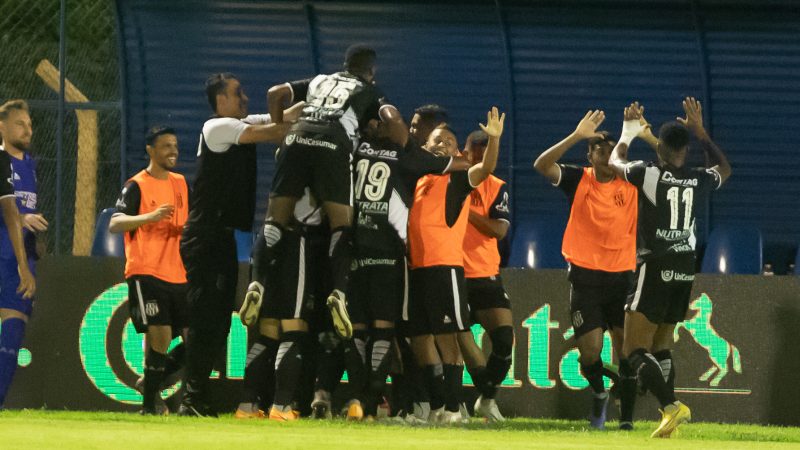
(630, 129)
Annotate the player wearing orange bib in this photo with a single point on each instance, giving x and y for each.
(600, 246)
(489, 304)
(437, 302)
(151, 211)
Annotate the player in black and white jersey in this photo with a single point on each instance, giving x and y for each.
(317, 153)
(387, 165)
(223, 200)
(668, 194)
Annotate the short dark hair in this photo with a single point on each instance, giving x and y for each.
(215, 85)
(12, 105)
(155, 131)
(673, 135)
(359, 59)
(446, 126)
(432, 113)
(477, 137)
(605, 137)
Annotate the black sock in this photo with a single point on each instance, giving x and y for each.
(646, 367)
(480, 378)
(499, 360)
(266, 253)
(288, 367)
(153, 377)
(355, 351)
(627, 391)
(434, 383)
(594, 375)
(664, 358)
(379, 357)
(259, 369)
(176, 360)
(453, 376)
(329, 361)
(340, 253)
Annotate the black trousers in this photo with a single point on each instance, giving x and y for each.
(209, 256)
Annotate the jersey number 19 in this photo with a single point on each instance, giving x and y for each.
(372, 181)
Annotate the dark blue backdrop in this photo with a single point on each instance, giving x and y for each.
(545, 63)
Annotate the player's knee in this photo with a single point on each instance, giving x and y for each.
(382, 334)
(502, 341)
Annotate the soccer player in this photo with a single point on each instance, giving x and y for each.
(668, 193)
(600, 246)
(317, 153)
(438, 308)
(288, 302)
(152, 210)
(490, 306)
(223, 199)
(388, 165)
(17, 235)
(426, 118)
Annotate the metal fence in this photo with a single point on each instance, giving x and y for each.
(45, 44)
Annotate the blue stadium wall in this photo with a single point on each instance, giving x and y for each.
(545, 62)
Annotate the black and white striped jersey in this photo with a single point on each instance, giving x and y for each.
(668, 199)
(340, 97)
(386, 175)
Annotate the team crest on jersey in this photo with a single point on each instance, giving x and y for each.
(151, 309)
(503, 206)
(577, 319)
(619, 198)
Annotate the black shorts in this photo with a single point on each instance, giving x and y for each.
(597, 299)
(662, 289)
(318, 157)
(291, 294)
(487, 293)
(437, 301)
(155, 302)
(378, 288)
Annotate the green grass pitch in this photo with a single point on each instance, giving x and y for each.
(35, 429)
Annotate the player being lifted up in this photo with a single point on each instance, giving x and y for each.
(317, 153)
(387, 165)
(668, 194)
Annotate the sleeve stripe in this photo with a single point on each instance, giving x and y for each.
(449, 163)
(559, 175)
(291, 99)
(717, 174)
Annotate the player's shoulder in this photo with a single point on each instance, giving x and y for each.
(176, 176)
(214, 122)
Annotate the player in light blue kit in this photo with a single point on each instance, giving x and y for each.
(21, 222)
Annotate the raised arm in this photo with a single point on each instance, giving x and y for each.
(397, 129)
(494, 129)
(715, 159)
(545, 164)
(631, 128)
(647, 133)
(278, 98)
